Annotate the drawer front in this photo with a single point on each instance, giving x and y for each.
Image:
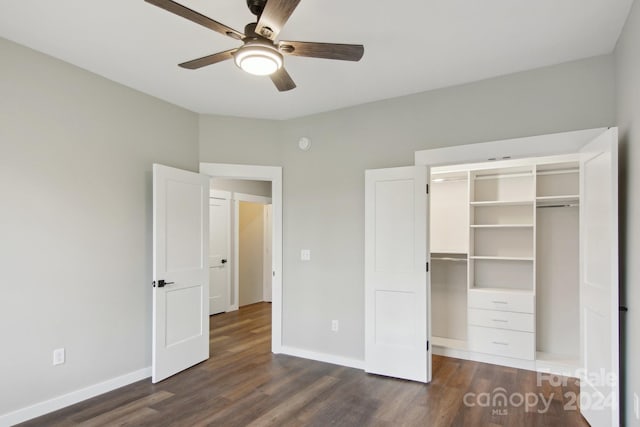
(502, 342)
(502, 301)
(502, 319)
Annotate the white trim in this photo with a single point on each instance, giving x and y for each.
(242, 197)
(236, 256)
(220, 194)
(525, 162)
(273, 174)
(534, 146)
(267, 273)
(529, 365)
(73, 397)
(323, 357)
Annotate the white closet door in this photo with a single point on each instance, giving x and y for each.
(180, 270)
(599, 280)
(396, 281)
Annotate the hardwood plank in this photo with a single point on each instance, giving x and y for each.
(243, 383)
(123, 412)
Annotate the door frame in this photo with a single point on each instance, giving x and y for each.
(236, 198)
(262, 173)
(535, 146)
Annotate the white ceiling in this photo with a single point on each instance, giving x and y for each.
(410, 46)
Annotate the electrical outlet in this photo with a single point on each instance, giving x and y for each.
(636, 405)
(305, 255)
(58, 356)
(335, 325)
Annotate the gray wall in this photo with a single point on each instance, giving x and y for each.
(627, 57)
(324, 187)
(76, 153)
(76, 160)
(239, 141)
(245, 186)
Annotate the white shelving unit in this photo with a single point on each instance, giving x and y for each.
(505, 287)
(501, 319)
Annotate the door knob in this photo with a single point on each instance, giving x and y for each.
(223, 261)
(162, 283)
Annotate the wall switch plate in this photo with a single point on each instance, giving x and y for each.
(305, 255)
(58, 356)
(335, 325)
(636, 406)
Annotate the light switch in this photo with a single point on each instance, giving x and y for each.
(305, 255)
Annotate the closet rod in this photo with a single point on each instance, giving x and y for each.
(504, 175)
(569, 205)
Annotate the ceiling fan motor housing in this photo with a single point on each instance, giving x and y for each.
(256, 6)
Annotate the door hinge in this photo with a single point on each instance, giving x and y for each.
(427, 345)
(427, 188)
(427, 267)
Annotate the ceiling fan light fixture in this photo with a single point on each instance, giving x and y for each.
(259, 59)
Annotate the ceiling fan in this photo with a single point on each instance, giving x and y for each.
(260, 53)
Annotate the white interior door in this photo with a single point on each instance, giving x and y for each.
(599, 280)
(268, 259)
(180, 270)
(396, 281)
(219, 270)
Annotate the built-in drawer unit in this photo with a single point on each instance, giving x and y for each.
(502, 342)
(520, 302)
(502, 319)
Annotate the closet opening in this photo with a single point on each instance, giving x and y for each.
(504, 246)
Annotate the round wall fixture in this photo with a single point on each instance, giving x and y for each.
(304, 143)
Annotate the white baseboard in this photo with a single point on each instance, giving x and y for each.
(322, 357)
(74, 397)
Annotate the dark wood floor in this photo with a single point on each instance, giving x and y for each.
(244, 384)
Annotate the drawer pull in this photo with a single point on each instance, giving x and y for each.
(500, 320)
(500, 343)
(499, 302)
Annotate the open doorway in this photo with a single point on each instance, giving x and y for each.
(240, 243)
(254, 195)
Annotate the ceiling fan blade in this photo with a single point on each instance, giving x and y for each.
(274, 16)
(208, 60)
(344, 52)
(282, 80)
(196, 17)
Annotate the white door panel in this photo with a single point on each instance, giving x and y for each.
(219, 276)
(599, 280)
(396, 281)
(180, 259)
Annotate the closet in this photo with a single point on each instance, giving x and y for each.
(504, 248)
(504, 252)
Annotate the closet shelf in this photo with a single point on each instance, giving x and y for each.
(506, 290)
(570, 198)
(444, 258)
(501, 225)
(502, 203)
(501, 258)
